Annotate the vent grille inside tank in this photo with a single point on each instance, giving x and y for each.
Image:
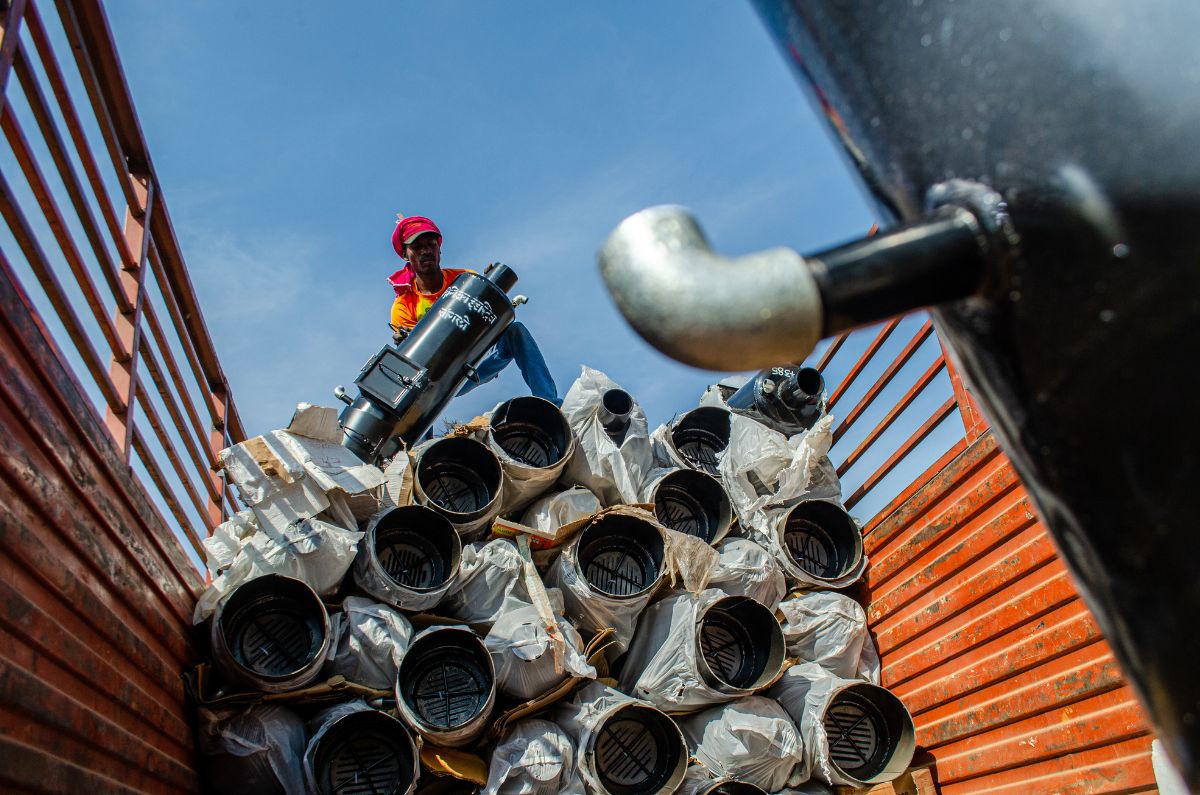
(813, 549)
(412, 560)
(635, 753)
(448, 687)
(699, 447)
(729, 650)
(683, 513)
(455, 487)
(858, 735)
(618, 565)
(274, 636)
(366, 763)
(528, 443)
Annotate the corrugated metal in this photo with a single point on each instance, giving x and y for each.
(95, 593)
(982, 634)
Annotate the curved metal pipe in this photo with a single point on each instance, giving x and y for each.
(704, 309)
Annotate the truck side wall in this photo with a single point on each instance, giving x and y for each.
(984, 637)
(95, 593)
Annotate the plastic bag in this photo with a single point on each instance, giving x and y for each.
(552, 511)
(763, 470)
(227, 539)
(529, 661)
(830, 629)
(368, 641)
(314, 551)
(752, 740)
(324, 722)
(663, 666)
(613, 472)
(523, 483)
(584, 717)
(806, 692)
(745, 568)
(590, 609)
(491, 572)
(256, 750)
(535, 756)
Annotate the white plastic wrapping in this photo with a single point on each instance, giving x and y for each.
(551, 511)
(805, 691)
(535, 757)
(529, 660)
(775, 541)
(227, 539)
(584, 716)
(590, 609)
(314, 551)
(764, 470)
(613, 472)
(830, 629)
(663, 667)
(745, 568)
(752, 740)
(324, 721)
(368, 641)
(491, 572)
(523, 483)
(257, 749)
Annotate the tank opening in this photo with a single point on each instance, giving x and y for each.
(870, 733)
(274, 626)
(638, 751)
(693, 503)
(417, 547)
(531, 430)
(621, 555)
(701, 435)
(459, 475)
(741, 643)
(446, 679)
(822, 540)
(365, 753)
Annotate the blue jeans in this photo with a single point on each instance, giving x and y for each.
(516, 344)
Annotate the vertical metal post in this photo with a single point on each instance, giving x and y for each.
(217, 441)
(123, 369)
(9, 41)
(974, 423)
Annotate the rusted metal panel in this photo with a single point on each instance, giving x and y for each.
(984, 637)
(95, 594)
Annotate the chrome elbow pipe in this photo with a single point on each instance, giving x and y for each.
(772, 307)
(704, 309)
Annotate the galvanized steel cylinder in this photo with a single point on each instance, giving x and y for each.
(461, 479)
(271, 633)
(693, 503)
(533, 442)
(819, 544)
(361, 753)
(446, 686)
(409, 557)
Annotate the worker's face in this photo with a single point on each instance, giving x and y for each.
(424, 253)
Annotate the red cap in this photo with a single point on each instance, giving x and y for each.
(410, 228)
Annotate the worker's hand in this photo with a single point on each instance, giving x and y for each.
(399, 334)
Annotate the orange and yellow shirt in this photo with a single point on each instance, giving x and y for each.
(411, 304)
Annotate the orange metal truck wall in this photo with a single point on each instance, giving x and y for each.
(97, 596)
(985, 639)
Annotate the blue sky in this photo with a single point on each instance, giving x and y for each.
(287, 137)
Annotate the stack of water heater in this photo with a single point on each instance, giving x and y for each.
(546, 600)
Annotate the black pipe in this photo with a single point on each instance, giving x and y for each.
(616, 409)
(926, 263)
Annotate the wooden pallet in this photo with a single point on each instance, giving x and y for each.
(915, 781)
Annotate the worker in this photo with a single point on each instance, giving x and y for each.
(422, 281)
